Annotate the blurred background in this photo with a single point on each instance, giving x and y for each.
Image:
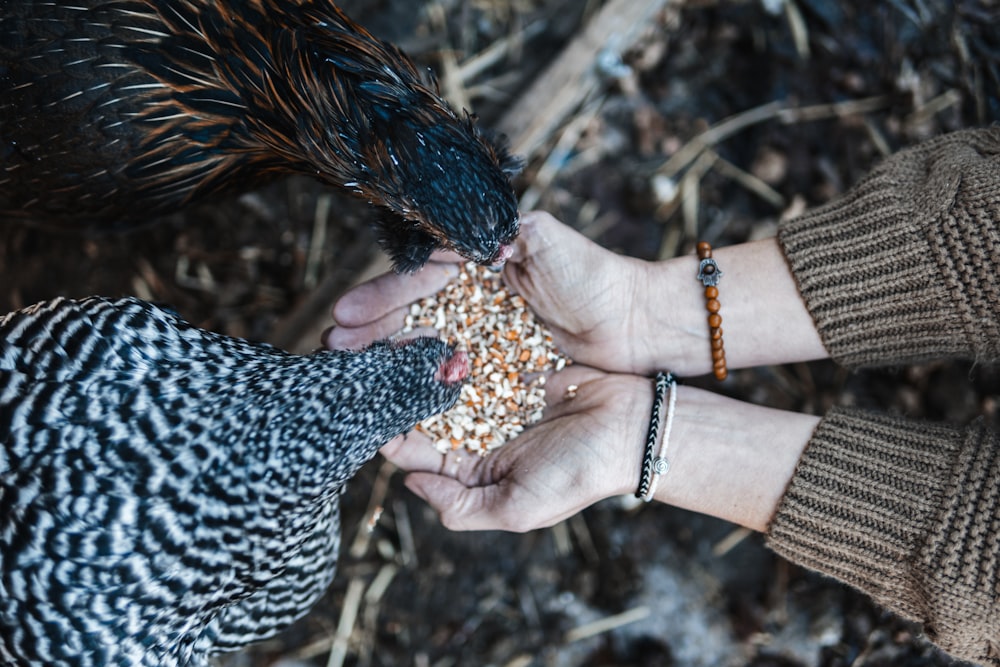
(647, 125)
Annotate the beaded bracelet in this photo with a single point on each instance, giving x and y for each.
(709, 274)
(654, 467)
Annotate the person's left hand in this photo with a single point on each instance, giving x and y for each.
(586, 448)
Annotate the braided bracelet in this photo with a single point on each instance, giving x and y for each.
(653, 467)
(709, 274)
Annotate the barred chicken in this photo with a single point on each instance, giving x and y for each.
(168, 493)
(115, 111)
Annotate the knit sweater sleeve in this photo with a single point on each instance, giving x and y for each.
(906, 267)
(908, 513)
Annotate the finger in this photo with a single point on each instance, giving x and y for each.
(460, 507)
(496, 506)
(370, 300)
(356, 337)
(447, 256)
(421, 455)
(414, 452)
(526, 238)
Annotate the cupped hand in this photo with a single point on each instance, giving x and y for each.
(377, 308)
(593, 300)
(586, 448)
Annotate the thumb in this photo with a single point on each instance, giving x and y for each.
(529, 241)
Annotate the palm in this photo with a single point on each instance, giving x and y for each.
(551, 471)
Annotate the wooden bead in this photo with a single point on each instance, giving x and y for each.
(713, 307)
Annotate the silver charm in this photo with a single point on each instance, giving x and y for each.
(709, 272)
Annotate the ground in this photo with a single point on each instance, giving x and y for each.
(835, 87)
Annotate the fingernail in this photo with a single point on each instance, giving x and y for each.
(324, 338)
(339, 338)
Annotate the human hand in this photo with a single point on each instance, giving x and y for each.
(377, 308)
(728, 459)
(585, 294)
(586, 448)
(593, 300)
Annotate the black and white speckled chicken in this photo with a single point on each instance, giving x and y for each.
(113, 111)
(167, 493)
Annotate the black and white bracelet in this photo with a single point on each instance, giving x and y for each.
(655, 466)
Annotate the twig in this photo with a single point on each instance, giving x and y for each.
(556, 158)
(404, 529)
(933, 107)
(348, 616)
(770, 111)
(578, 523)
(713, 135)
(560, 534)
(691, 191)
(846, 108)
(373, 598)
(480, 62)
(522, 660)
(572, 78)
(606, 624)
(730, 541)
(749, 181)
(797, 26)
(379, 489)
(321, 222)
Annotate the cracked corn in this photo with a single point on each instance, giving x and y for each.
(509, 351)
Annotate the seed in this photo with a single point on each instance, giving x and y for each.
(510, 352)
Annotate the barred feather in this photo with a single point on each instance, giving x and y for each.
(167, 493)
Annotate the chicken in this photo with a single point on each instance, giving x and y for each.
(167, 493)
(112, 112)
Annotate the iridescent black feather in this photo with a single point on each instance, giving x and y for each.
(112, 112)
(168, 493)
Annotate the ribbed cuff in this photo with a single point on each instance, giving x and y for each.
(865, 273)
(906, 512)
(903, 268)
(863, 499)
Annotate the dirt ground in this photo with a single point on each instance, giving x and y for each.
(821, 91)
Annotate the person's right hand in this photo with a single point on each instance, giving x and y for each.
(591, 299)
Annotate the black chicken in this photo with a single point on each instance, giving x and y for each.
(167, 493)
(113, 111)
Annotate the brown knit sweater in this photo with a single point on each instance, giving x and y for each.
(903, 268)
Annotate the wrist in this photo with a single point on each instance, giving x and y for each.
(730, 459)
(672, 324)
(764, 318)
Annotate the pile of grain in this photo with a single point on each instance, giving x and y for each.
(509, 351)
